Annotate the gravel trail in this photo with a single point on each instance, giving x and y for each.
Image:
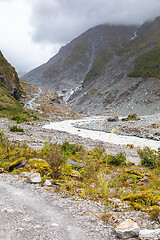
(30, 212)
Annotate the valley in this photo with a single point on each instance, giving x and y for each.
(80, 138)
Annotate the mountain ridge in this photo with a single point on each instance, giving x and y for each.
(91, 69)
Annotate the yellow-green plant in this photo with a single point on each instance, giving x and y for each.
(104, 186)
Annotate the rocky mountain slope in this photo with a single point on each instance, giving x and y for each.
(107, 69)
(47, 103)
(9, 88)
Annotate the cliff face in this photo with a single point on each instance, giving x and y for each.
(9, 78)
(9, 88)
(107, 67)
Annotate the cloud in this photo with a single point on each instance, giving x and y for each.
(16, 42)
(59, 21)
(32, 31)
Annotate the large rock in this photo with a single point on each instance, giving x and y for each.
(113, 118)
(19, 163)
(127, 229)
(32, 177)
(76, 164)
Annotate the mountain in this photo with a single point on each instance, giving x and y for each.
(108, 68)
(9, 88)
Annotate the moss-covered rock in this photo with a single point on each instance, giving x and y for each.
(137, 206)
(19, 163)
(153, 211)
(145, 197)
(131, 117)
(135, 172)
(40, 166)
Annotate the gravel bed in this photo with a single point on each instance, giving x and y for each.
(144, 127)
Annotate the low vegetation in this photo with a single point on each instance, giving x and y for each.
(26, 116)
(147, 64)
(150, 158)
(9, 106)
(131, 117)
(16, 128)
(99, 65)
(90, 174)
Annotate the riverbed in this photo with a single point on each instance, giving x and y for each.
(70, 126)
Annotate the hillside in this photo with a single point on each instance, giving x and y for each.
(9, 89)
(68, 68)
(107, 69)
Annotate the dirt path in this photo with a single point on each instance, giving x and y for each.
(29, 212)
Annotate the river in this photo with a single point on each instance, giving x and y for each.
(69, 126)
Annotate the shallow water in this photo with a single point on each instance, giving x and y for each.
(68, 126)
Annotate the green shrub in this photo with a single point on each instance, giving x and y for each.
(119, 159)
(16, 128)
(131, 117)
(149, 158)
(70, 149)
(55, 159)
(19, 118)
(2, 137)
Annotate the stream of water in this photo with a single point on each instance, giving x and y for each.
(32, 103)
(68, 126)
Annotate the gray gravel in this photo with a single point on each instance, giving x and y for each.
(30, 212)
(140, 128)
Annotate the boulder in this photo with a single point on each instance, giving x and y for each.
(19, 163)
(127, 229)
(75, 164)
(32, 177)
(113, 118)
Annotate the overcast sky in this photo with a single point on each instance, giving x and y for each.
(32, 31)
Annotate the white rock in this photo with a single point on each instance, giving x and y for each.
(54, 225)
(26, 174)
(149, 234)
(33, 177)
(127, 229)
(8, 210)
(48, 183)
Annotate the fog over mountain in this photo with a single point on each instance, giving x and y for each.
(34, 30)
(63, 20)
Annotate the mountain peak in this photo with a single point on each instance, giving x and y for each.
(94, 63)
